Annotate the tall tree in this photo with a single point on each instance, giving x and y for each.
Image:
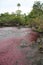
(18, 5)
(18, 12)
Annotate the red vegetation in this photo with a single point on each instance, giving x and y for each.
(12, 54)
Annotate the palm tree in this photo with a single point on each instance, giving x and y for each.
(18, 5)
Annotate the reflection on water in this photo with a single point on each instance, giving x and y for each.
(12, 31)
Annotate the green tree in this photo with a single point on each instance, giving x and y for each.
(18, 5)
(36, 14)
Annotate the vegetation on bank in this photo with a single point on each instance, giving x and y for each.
(33, 19)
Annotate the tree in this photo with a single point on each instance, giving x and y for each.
(36, 15)
(18, 5)
(37, 5)
(18, 12)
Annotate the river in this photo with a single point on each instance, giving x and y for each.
(15, 46)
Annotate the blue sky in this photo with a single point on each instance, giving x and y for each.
(11, 5)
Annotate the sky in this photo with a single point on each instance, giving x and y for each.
(11, 5)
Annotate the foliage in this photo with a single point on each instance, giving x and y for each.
(33, 19)
(36, 15)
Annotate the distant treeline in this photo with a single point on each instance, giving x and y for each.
(33, 19)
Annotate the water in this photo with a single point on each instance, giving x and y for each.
(13, 32)
(14, 51)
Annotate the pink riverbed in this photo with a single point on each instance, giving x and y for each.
(15, 46)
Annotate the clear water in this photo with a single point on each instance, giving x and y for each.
(12, 32)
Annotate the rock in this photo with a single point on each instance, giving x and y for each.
(24, 43)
